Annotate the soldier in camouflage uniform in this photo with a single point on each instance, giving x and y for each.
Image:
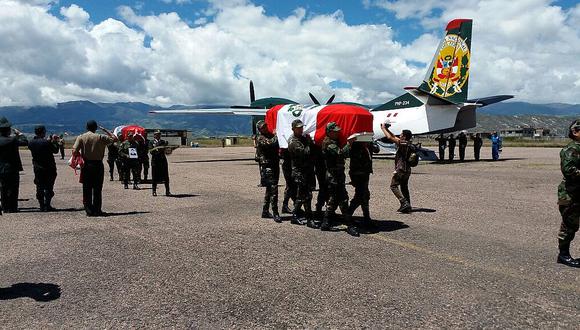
(130, 165)
(334, 157)
(569, 195)
(269, 159)
(361, 167)
(290, 189)
(299, 146)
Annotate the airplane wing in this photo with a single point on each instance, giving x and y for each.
(215, 111)
(482, 102)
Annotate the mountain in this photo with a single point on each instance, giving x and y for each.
(72, 116)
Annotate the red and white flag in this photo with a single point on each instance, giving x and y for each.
(351, 119)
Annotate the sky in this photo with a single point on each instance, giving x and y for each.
(166, 52)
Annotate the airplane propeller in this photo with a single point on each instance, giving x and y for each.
(315, 100)
(252, 94)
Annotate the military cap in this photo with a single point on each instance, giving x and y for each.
(157, 132)
(332, 127)
(297, 123)
(573, 127)
(260, 124)
(4, 123)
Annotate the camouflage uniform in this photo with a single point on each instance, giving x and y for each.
(361, 167)
(334, 157)
(320, 173)
(290, 189)
(130, 165)
(267, 149)
(569, 195)
(300, 153)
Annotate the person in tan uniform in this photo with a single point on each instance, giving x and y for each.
(91, 146)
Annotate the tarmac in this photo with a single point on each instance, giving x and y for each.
(478, 252)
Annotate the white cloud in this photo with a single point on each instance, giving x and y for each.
(528, 48)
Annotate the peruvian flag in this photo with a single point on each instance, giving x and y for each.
(351, 119)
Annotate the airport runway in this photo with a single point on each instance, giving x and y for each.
(482, 254)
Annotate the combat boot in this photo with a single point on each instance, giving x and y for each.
(125, 185)
(565, 258)
(154, 191)
(47, 206)
(136, 187)
(311, 222)
(286, 209)
(405, 208)
(266, 213)
(325, 226)
(167, 191)
(352, 230)
(277, 218)
(296, 219)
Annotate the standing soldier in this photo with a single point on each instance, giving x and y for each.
(10, 165)
(43, 151)
(290, 189)
(361, 167)
(112, 155)
(61, 146)
(569, 195)
(128, 151)
(442, 145)
(92, 148)
(400, 180)
(159, 167)
(477, 144)
(269, 158)
(462, 138)
(452, 142)
(299, 146)
(143, 151)
(334, 157)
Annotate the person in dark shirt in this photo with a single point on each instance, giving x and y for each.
(477, 143)
(10, 165)
(43, 151)
(400, 179)
(442, 145)
(462, 138)
(452, 143)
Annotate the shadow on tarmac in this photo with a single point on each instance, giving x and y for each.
(182, 195)
(42, 292)
(376, 226)
(213, 160)
(117, 214)
(445, 162)
(37, 210)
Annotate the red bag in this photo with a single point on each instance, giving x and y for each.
(76, 162)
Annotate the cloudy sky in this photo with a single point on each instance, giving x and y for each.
(204, 52)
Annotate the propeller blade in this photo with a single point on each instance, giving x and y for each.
(331, 99)
(252, 95)
(313, 99)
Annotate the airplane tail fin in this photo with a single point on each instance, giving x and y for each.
(448, 74)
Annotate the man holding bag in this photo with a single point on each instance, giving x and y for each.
(91, 146)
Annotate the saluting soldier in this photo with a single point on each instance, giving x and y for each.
(159, 167)
(334, 157)
(269, 159)
(299, 146)
(361, 167)
(44, 166)
(452, 142)
(400, 179)
(128, 151)
(477, 144)
(10, 165)
(569, 195)
(290, 189)
(112, 155)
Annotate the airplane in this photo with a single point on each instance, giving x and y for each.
(438, 105)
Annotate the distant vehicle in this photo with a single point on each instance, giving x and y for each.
(438, 105)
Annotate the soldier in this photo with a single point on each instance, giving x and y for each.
(334, 157)
(268, 148)
(128, 151)
(477, 144)
(61, 146)
(361, 167)
(43, 151)
(400, 180)
(112, 155)
(143, 152)
(10, 165)
(462, 138)
(290, 189)
(569, 195)
(299, 146)
(92, 148)
(159, 167)
(452, 142)
(442, 145)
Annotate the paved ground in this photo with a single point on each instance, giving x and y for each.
(484, 258)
